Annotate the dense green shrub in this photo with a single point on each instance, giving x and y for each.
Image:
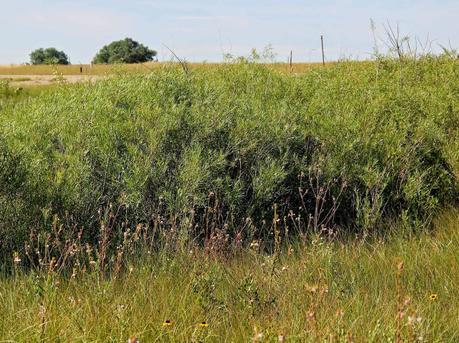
(15, 200)
(352, 146)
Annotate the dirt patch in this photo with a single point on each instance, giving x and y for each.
(43, 80)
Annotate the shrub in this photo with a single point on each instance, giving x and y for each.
(349, 147)
(15, 200)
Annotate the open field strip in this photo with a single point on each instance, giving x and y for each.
(43, 80)
(98, 69)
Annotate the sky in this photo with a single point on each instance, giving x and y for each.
(206, 30)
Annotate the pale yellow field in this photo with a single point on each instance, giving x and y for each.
(73, 69)
(87, 69)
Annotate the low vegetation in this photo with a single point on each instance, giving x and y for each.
(352, 147)
(12, 94)
(234, 202)
(398, 290)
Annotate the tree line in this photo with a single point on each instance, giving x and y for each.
(122, 51)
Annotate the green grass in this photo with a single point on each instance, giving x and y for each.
(318, 291)
(12, 95)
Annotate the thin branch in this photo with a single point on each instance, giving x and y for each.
(182, 62)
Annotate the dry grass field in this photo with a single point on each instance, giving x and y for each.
(45, 80)
(101, 69)
(73, 69)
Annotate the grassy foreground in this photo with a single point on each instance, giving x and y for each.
(398, 289)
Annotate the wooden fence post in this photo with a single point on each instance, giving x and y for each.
(323, 52)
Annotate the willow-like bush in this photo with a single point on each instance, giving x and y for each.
(353, 146)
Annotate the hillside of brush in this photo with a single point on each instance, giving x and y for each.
(354, 147)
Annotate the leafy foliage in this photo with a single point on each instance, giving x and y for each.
(48, 56)
(124, 51)
(350, 147)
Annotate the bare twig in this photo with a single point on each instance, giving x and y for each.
(182, 62)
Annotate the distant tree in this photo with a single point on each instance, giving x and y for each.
(48, 56)
(124, 51)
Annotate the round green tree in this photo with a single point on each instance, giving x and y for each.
(124, 51)
(48, 56)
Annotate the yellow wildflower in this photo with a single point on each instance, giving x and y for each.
(433, 296)
(168, 322)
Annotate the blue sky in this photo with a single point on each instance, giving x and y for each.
(204, 30)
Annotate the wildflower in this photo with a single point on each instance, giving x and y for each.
(413, 320)
(312, 289)
(42, 313)
(258, 337)
(203, 324)
(311, 315)
(167, 322)
(407, 302)
(16, 258)
(254, 244)
(433, 297)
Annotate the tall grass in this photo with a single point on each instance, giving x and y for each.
(11, 95)
(353, 147)
(397, 289)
